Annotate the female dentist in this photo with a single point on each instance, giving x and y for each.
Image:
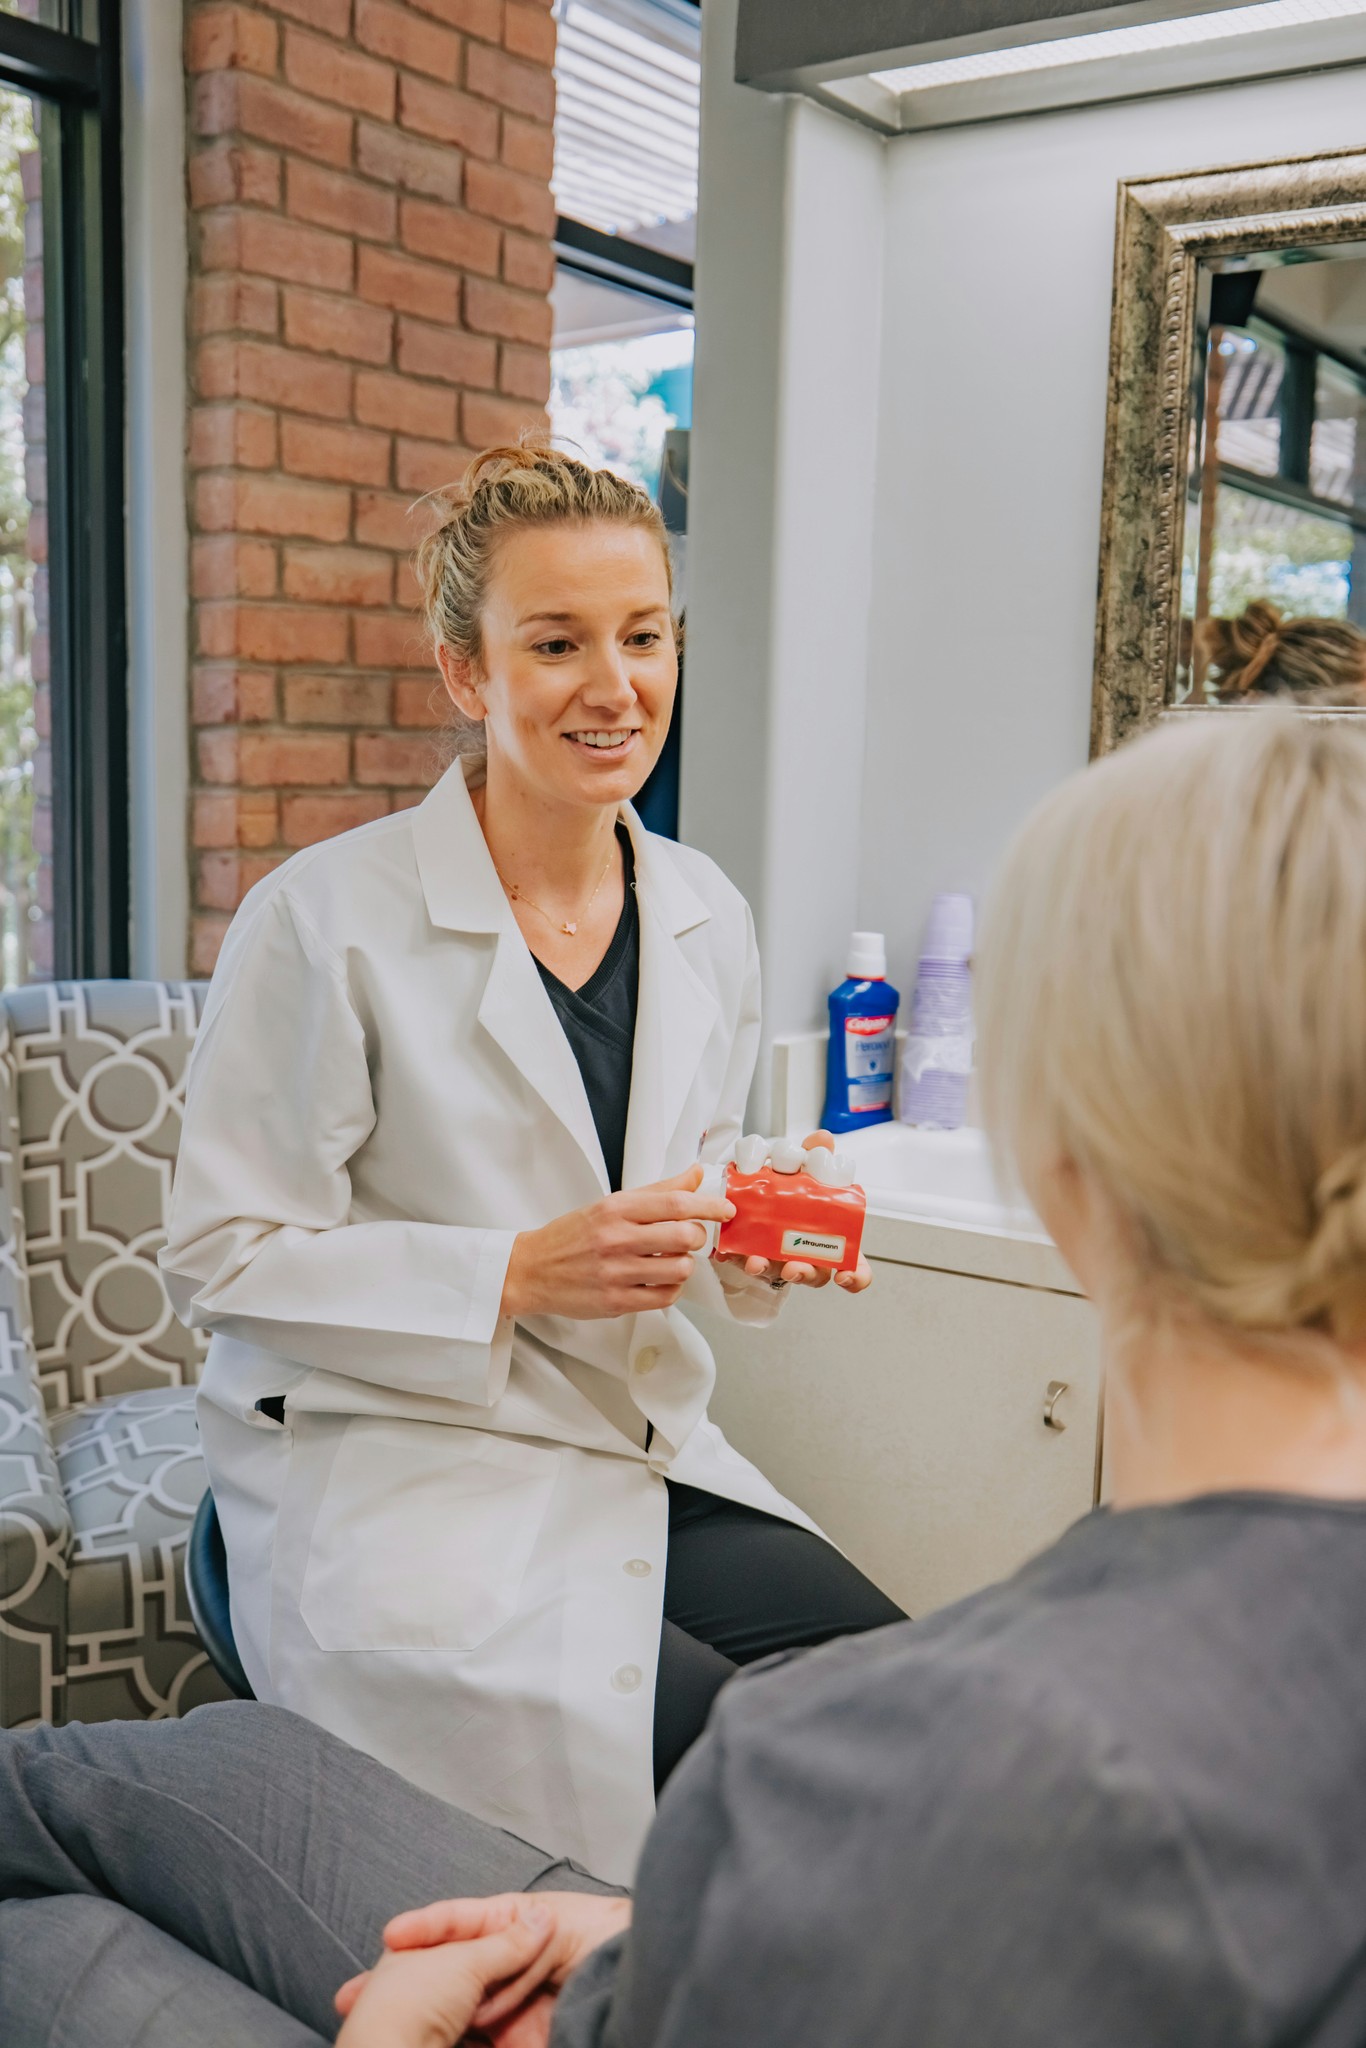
(436, 1200)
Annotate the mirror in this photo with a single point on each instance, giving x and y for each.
(1233, 549)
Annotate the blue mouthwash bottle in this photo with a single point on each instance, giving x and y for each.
(858, 1069)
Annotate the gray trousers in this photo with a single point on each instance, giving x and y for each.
(210, 1882)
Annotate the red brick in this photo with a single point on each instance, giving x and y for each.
(327, 72)
(230, 39)
(338, 576)
(529, 32)
(418, 702)
(383, 400)
(334, 16)
(214, 821)
(337, 700)
(508, 197)
(206, 943)
(445, 352)
(428, 465)
(523, 88)
(476, 17)
(216, 753)
(391, 640)
(332, 200)
(408, 799)
(271, 633)
(346, 455)
(273, 376)
(529, 147)
(450, 235)
(528, 262)
(385, 757)
(524, 372)
(512, 316)
(247, 504)
(407, 285)
(388, 520)
(397, 33)
(227, 102)
(271, 247)
(225, 878)
(404, 161)
(489, 421)
(221, 565)
(229, 303)
(222, 436)
(234, 173)
(408, 592)
(339, 327)
(272, 760)
(304, 820)
(232, 696)
(447, 115)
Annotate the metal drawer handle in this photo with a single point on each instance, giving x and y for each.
(1056, 1390)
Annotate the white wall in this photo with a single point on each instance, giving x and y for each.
(780, 555)
(997, 281)
(897, 452)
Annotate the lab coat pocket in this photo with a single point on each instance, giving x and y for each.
(423, 1536)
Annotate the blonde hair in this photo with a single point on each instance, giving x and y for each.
(1322, 661)
(1173, 995)
(504, 489)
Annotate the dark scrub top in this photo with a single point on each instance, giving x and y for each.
(599, 1020)
(1117, 1802)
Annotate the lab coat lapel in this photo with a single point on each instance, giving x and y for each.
(463, 893)
(675, 1012)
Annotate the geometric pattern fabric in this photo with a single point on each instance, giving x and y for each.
(100, 1471)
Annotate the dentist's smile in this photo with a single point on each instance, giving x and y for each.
(615, 744)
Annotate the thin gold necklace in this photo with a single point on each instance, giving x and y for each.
(568, 928)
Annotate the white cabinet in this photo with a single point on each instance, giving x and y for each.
(910, 1422)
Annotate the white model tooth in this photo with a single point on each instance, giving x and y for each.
(843, 1170)
(787, 1156)
(750, 1154)
(819, 1162)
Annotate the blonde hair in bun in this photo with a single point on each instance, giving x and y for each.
(1173, 994)
(504, 489)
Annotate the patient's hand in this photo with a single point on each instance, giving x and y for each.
(515, 2012)
(428, 1997)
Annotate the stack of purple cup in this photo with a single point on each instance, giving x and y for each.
(936, 1058)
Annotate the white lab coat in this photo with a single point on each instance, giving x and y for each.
(453, 1553)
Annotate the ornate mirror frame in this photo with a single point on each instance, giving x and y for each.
(1165, 227)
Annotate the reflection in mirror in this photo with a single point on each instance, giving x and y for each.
(1273, 573)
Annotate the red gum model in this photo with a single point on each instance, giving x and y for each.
(791, 1216)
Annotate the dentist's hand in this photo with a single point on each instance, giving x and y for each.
(625, 1253)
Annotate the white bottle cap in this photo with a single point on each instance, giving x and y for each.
(867, 957)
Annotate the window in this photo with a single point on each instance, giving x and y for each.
(627, 82)
(626, 120)
(63, 745)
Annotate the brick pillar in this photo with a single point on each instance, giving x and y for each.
(370, 266)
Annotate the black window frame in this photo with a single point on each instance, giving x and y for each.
(80, 83)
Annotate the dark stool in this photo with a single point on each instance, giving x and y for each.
(206, 1582)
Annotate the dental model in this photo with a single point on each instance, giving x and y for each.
(791, 1202)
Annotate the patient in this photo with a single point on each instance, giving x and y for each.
(1120, 1799)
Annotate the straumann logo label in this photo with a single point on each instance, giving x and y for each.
(795, 1242)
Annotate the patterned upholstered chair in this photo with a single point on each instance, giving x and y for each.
(100, 1472)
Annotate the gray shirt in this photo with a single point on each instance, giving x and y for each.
(1120, 1799)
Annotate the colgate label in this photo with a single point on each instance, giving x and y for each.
(869, 1051)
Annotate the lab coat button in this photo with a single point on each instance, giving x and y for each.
(647, 1358)
(637, 1567)
(627, 1678)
